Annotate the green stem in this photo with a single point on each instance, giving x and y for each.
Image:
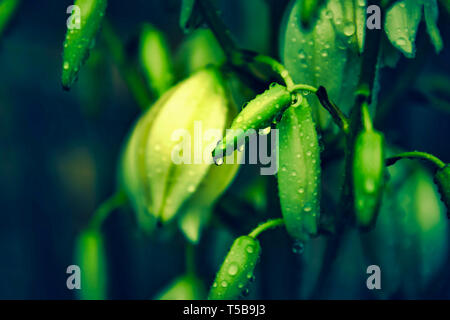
(218, 28)
(366, 120)
(112, 203)
(270, 224)
(134, 81)
(416, 155)
(338, 116)
(237, 57)
(190, 258)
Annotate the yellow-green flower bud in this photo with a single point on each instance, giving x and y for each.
(169, 151)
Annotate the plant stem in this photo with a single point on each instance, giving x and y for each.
(115, 201)
(190, 258)
(338, 116)
(435, 161)
(270, 224)
(134, 81)
(237, 57)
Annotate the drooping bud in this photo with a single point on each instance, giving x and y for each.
(299, 172)
(237, 270)
(80, 39)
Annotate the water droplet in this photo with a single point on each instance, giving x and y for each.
(218, 161)
(308, 153)
(233, 269)
(298, 247)
(191, 188)
(301, 190)
(214, 284)
(250, 249)
(370, 185)
(349, 29)
(264, 131)
(324, 53)
(293, 174)
(240, 285)
(400, 41)
(66, 66)
(301, 55)
(224, 284)
(307, 208)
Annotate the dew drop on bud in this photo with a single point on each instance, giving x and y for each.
(218, 161)
(265, 131)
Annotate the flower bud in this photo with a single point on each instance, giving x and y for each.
(237, 269)
(79, 42)
(159, 172)
(327, 52)
(90, 257)
(299, 173)
(155, 59)
(368, 176)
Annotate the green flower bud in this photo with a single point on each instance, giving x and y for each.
(155, 59)
(198, 51)
(327, 53)
(90, 257)
(187, 287)
(442, 180)
(368, 176)
(79, 41)
(402, 23)
(237, 269)
(159, 172)
(299, 172)
(258, 114)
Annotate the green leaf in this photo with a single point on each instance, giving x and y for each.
(190, 19)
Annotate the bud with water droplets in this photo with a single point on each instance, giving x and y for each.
(90, 257)
(79, 42)
(442, 180)
(299, 173)
(257, 114)
(368, 173)
(327, 53)
(167, 156)
(237, 270)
